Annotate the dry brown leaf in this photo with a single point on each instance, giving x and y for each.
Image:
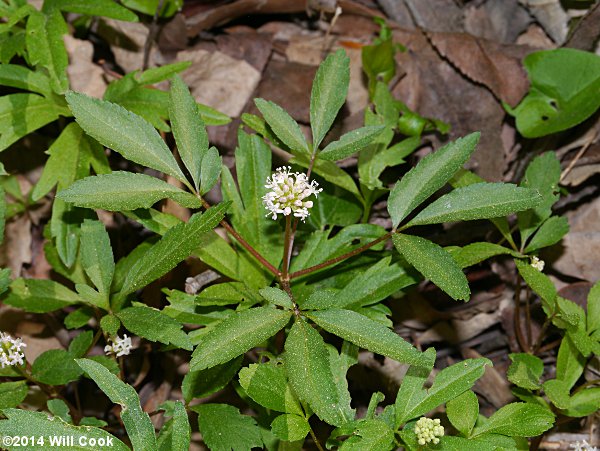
(496, 66)
(551, 16)
(219, 81)
(84, 75)
(492, 385)
(498, 21)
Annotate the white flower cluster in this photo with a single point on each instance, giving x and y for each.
(288, 191)
(537, 263)
(10, 350)
(582, 446)
(428, 430)
(119, 346)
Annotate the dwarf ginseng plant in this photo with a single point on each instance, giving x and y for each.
(295, 269)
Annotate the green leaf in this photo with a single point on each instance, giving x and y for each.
(81, 343)
(175, 246)
(378, 62)
(21, 77)
(46, 47)
(330, 172)
(188, 128)
(102, 8)
(583, 403)
(429, 175)
(486, 442)
(339, 364)
(308, 365)
(366, 333)
(267, 384)
(176, 433)
(334, 207)
(463, 412)
(593, 309)
(569, 363)
(517, 419)
(276, 297)
(237, 334)
(21, 114)
(162, 73)
(434, 263)
(224, 428)
(563, 93)
(59, 408)
(137, 422)
(448, 384)
(210, 116)
(557, 392)
(97, 256)
(351, 143)
(12, 394)
(40, 296)
(411, 390)
(542, 174)
(200, 384)
(525, 371)
(478, 201)
(253, 167)
(40, 424)
(78, 317)
(168, 9)
(110, 325)
(369, 435)
(290, 427)
(540, 284)
(474, 253)
(210, 171)
(551, 232)
(122, 190)
(2, 221)
(154, 326)
(125, 132)
(70, 158)
(329, 91)
(286, 128)
(55, 367)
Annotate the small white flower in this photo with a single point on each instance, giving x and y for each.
(537, 263)
(582, 446)
(10, 350)
(428, 430)
(119, 346)
(288, 191)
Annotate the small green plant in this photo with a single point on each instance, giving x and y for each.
(292, 286)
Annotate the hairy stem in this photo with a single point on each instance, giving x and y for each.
(517, 316)
(316, 440)
(340, 258)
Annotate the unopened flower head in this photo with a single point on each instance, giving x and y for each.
(288, 193)
(10, 350)
(119, 346)
(428, 430)
(537, 263)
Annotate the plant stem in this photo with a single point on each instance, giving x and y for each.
(517, 316)
(244, 243)
(340, 258)
(151, 35)
(287, 248)
(538, 344)
(316, 440)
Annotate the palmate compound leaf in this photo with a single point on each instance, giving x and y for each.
(329, 91)
(237, 334)
(429, 175)
(21, 422)
(478, 201)
(137, 422)
(309, 371)
(367, 333)
(175, 246)
(125, 132)
(122, 191)
(434, 263)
